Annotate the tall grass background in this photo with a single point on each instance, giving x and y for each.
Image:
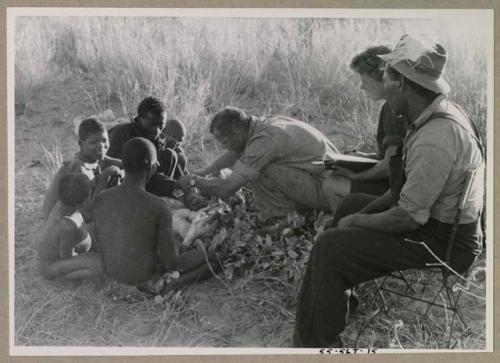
(68, 67)
(298, 67)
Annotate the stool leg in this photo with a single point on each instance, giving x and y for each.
(433, 300)
(381, 295)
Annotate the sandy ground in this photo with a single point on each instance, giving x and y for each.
(214, 315)
(253, 312)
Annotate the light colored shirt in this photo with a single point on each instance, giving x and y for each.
(283, 140)
(438, 156)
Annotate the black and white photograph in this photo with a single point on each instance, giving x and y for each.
(207, 181)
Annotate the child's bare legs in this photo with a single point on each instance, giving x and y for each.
(201, 272)
(86, 265)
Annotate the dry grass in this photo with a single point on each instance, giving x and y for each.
(198, 66)
(67, 69)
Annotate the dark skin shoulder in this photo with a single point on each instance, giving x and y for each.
(134, 229)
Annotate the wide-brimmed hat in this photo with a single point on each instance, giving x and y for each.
(421, 63)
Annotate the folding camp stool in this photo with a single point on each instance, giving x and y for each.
(452, 283)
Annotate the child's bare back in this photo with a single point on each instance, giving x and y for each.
(130, 223)
(134, 227)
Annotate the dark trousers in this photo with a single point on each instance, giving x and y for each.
(373, 187)
(344, 257)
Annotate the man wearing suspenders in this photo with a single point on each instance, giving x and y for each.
(440, 150)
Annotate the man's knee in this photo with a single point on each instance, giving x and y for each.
(333, 243)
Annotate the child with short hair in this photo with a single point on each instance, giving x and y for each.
(136, 239)
(174, 132)
(91, 160)
(64, 233)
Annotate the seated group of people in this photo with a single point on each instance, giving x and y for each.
(98, 197)
(426, 146)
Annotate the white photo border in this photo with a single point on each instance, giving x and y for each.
(485, 16)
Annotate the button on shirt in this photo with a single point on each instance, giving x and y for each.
(283, 140)
(438, 156)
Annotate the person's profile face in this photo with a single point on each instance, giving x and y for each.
(152, 125)
(373, 88)
(95, 146)
(174, 136)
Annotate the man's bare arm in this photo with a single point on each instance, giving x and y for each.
(394, 220)
(226, 160)
(222, 188)
(382, 203)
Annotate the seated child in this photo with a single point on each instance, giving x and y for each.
(134, 227)
(173, 164)
(174, 132)
(91, 161)
(64, 233)
(172, 160)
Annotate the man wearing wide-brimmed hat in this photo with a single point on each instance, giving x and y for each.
(440, 148)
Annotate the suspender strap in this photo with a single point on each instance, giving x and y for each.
(397, 176)
(474, 134)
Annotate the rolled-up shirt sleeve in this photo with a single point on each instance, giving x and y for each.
(258, 153)
(428, 167)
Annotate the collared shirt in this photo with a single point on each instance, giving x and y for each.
(283, 140)
(438, 156)
(120, 134)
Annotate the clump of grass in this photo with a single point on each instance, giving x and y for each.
(200, 65)
(53, 157)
